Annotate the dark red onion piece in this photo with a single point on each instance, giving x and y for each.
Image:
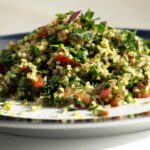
(2, 69)
(74, 16)
(79, 107)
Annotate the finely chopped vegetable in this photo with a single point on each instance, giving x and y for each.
(76, 62)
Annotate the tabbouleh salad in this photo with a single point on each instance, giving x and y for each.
(76, 62)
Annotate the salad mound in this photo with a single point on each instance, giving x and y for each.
(76, 62)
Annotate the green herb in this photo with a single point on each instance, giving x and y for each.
(101, 27)
(79, 55)
(2, 97)
(97, 37)
(88, 15)
(3, 92)
(82, 55)
(72, 80)
(107, 84)
(146, 44)
(50, 88)
(6, 58)
(54, 47)
(129, 41)
(11, 74)
(43, 71)
(53, 38)
(15, 58)
(52, 82)
(34, 51)
(62, 16)
(23, 82)
(93, 74)
(80, 34)
(129, 95)
(71, 108)
(123, 69)
(87, 18)
(132, 82)
(126, 41)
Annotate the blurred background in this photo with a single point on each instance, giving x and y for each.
(24, 15)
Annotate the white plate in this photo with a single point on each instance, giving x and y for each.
(51, 122)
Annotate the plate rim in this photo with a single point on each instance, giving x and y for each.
(5, 119)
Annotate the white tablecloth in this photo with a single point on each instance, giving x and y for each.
(25, 15)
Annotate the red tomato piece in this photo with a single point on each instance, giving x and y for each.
(140, 84)
(64, 60)
(85, 98)
(105, 113)
(114, 103)
(43, 33)
(142, 95)
(105, 93)
(39, 83)
(24, 69)
(145, 95)
(131, 60)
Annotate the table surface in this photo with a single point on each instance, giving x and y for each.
(22, 16)
(136, 141)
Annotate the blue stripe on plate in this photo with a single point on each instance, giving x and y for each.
(141, 32)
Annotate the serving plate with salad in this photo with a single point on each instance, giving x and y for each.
(75, 77)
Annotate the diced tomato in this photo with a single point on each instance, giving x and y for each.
(131, 60)
(140, 84)
(43, 33)
(68, 92)
(114, 102)
(105, 93)
(142, 95)
(104, 113)
(24, 69)
(39, 83)
(84, 97)
(145, 95)
(64, 60)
